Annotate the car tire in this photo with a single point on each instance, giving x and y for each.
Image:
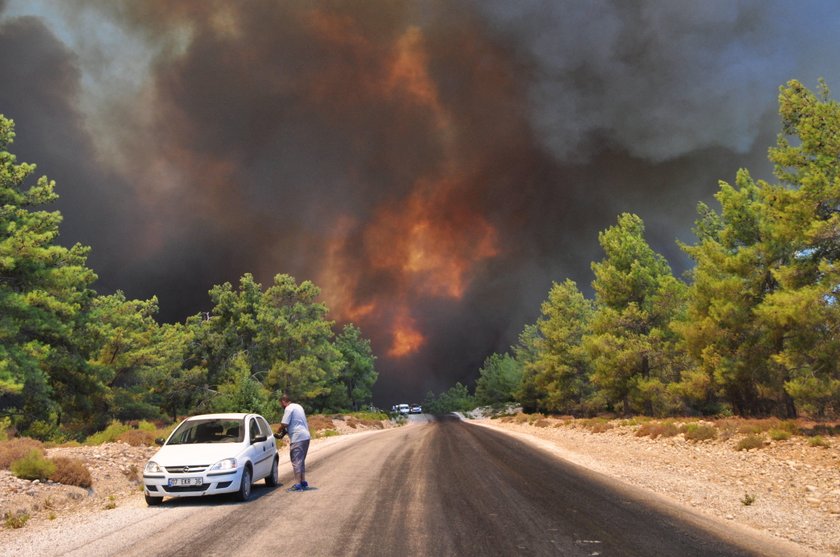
(244, 492)
(153, 501)
(273, 480)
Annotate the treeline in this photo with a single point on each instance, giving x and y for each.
(755, 329)
(72, 360)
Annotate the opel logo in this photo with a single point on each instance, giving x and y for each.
(186, 469)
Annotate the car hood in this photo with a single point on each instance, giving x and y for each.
(195, 454)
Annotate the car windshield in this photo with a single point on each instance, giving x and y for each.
(208, 431)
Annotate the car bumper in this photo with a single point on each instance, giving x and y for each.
(213, 483)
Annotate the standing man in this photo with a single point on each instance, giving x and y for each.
(294, 423)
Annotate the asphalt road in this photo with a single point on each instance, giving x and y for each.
(438, 488)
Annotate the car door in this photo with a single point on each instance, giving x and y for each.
(261, 455)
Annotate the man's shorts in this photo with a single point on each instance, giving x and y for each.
(297, 454)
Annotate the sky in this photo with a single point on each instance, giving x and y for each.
(433, 166)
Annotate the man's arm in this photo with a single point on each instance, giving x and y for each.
(282, 432)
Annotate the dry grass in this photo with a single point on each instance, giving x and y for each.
(699, 432)
(71, 471)
(751, 441)
(657, 429)
(596, 425)
(319, 422)
(138, 437)
(355, 422)
(17, 448)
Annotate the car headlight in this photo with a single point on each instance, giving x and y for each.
(152, 467)
(226, 464)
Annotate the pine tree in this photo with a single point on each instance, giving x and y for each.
(631, 345)
(44, 294)
(562, 368)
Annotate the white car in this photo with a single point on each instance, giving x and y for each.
(212, 454)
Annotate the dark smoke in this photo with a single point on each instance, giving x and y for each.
(432, 165)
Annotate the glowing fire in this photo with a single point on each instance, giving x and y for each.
(406, 339)
(427, 244)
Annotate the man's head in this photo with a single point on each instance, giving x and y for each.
(285, 400)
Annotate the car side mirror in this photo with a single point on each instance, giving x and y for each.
(258, 439)
(160, 441)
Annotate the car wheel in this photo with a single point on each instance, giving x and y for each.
(153, 501)
(244, 492)
(272, 480)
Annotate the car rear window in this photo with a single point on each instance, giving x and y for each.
(208, 431)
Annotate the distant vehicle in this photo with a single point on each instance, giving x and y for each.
(416, 409)
(212, 454)
(404, 409)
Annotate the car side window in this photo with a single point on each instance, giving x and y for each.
(255, 429)
(266, 429)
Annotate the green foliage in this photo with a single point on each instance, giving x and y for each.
(44, 293)
(456, 399)
(499, 379)
(109, 435)
(254, 345)
(630, 344)
(747, 499)
(241, 392)
(557, 377)
(357, 373)
(33, 466)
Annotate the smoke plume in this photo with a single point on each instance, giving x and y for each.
(432, 166)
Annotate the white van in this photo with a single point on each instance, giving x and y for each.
(403, 408)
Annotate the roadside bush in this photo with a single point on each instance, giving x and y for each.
(44, 431)
(749, 442)
(520, 418)
(109, 435)
(15, 520)
(818, 441)
(33, 466)
(657, 429)
(596, 425)
(17, 448)
(71, 471)
(779, 434)
(138, 437)
(542, 423)
(699, 432)
(374, 416)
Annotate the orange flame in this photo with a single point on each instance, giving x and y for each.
(406, 339)
(428, 244)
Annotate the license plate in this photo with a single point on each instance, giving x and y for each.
(176, 482)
